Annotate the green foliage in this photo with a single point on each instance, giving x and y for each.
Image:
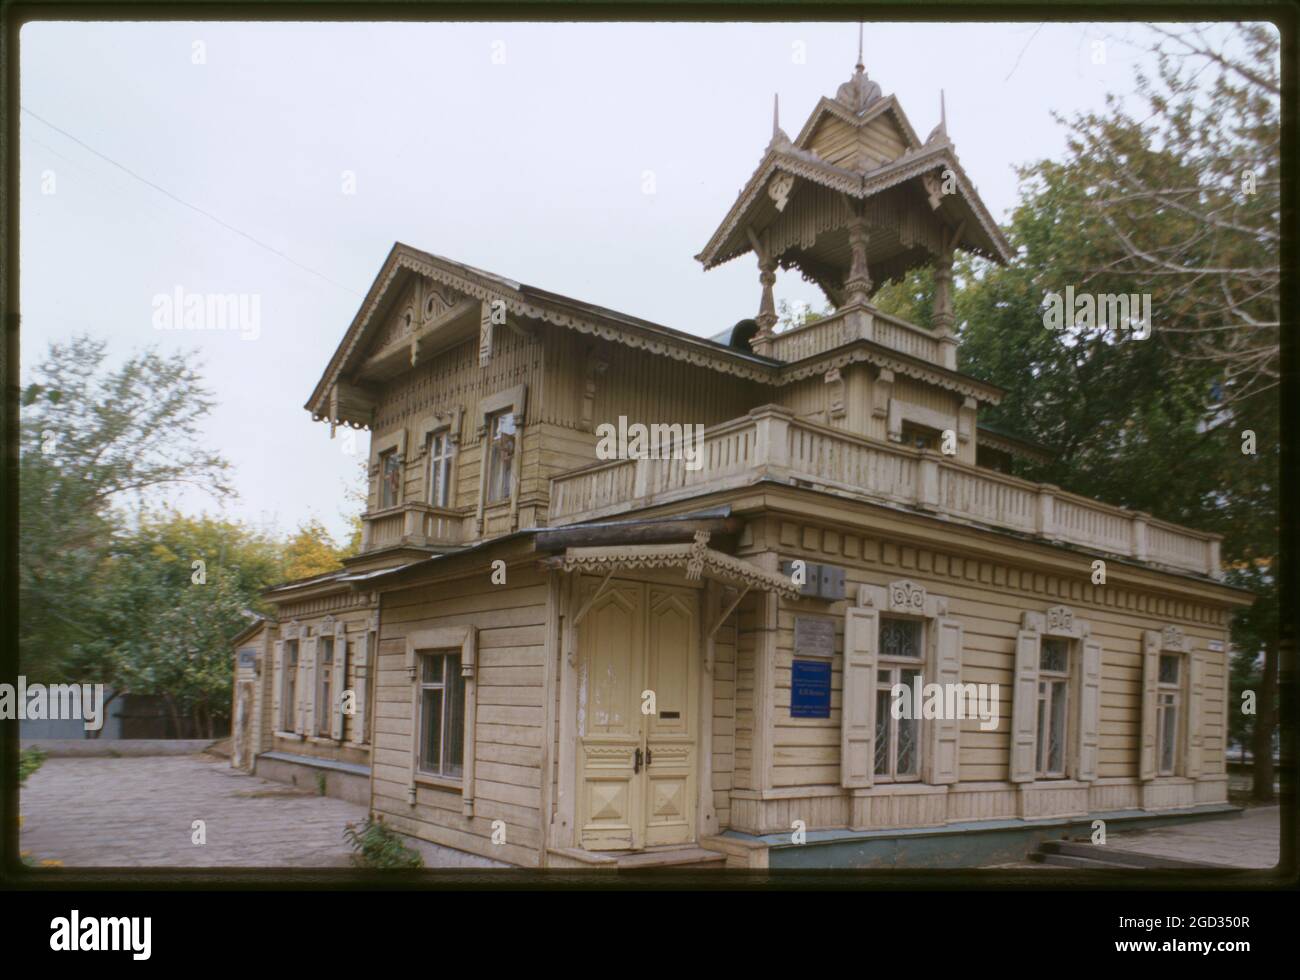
(29, 760)
(93, 438)
(378, 847)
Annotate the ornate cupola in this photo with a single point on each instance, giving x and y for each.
(854, 201)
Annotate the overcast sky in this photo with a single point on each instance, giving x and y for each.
(524, 149)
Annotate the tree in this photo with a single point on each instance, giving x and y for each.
(93, 440)
(310, 551)
(1156, 424)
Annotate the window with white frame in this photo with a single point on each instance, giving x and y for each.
(324, 669)
(1168, 704)
(900, 661)
(501, 456)
(438, 477)
(288, 684)
(441, 713)
(1053, 706)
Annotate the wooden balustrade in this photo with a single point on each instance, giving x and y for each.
(411, 523)
(866, 323)
(770, 443)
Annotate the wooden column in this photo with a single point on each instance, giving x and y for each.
(857, 286)
(943, 317)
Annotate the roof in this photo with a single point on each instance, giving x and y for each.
(530, 301)
(857, 174)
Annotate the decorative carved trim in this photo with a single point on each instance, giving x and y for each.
(1055, 621)
(905, 597)
(696, 559)
(869, 352)
(835, 380)
(1173, 638)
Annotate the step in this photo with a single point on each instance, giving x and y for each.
(664, 857)
(1116, 857)
(1070, 861)
(679, 857)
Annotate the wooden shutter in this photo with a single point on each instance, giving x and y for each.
(858, 705)
(945, 659)
(360, 680)
(1147, 707)
(306, 676)
(1024, 707)
(1195, 704)
(277, 686)
(338, 681)
(1089, 711)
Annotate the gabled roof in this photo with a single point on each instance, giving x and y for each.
(521, 300)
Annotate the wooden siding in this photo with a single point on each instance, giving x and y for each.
(987, 598)
(511, 624)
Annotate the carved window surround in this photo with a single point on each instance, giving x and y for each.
(1083, 707)
(382, 444)
(464, 638)
(449, 420)
(941, 664)
(1191, 682)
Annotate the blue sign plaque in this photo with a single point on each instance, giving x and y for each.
(810, 689)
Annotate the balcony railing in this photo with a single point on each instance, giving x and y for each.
(858, 323)
(410, 524)
(770, 443)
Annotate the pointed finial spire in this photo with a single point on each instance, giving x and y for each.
(940, 131)
(778, 135)
(859, 67)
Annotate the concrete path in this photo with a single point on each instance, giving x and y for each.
(1251, 840)
(139, 812)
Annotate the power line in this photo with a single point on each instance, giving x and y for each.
(193, 207)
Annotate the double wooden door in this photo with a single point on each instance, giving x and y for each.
(637, 717)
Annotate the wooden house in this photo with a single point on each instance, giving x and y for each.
(689, 654)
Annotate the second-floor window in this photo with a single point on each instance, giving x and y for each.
(501, 456)
(390, 479)
(439, 477)
(921, 436)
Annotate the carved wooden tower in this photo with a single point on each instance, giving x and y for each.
(854, 201)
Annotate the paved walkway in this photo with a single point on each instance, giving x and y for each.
(1251, 840)
(138, 812)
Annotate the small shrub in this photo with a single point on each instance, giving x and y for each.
(320, 784)
(378, 847)
(29, 760)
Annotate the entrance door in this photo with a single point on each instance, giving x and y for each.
(637, 716)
